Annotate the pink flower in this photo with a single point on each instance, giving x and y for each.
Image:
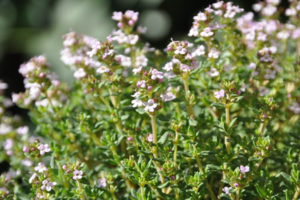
(156, 74)
(213, 53)
(102, 183)
(41, 168)
(141, 84)
(244, 169)
(22, 130)
(47, 185)
(77, 174)
(199, 51)
(207, 32)
(226, 190)
(219, 94)
(80, 73)
(117, 16)
(213, 72)
(137, 103)
(168, 96)
(150, 138)
(31, 179)
(44, 148)
(150, 105)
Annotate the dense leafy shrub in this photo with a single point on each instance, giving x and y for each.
(212, 117)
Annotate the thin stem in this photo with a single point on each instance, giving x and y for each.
(297, 193)
(237, 197)
(226, 139)
(175, 149)
(82, 195)
(154, 133)
(199, 163)
(262, 127)
(143, 192)
(189, 108)
(154, 149)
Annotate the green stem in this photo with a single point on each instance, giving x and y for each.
(297, 193)
(199, 163)
(82, 195)
(175, 149)
(262, 127)
(226, 139)
(154, 149)
(143, 192)
(154, 133)
(189, 108)
(237, 197)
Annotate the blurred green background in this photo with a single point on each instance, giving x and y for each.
(33, 27)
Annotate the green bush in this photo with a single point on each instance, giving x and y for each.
(212, 117)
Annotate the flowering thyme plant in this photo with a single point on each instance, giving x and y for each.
(212, 117)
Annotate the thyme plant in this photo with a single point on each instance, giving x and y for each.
(214, 116)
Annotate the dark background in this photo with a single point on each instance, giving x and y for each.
(33, 27)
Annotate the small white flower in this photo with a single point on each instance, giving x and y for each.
(132, 39)
(150, 105)
(218, 5)
(102, 69)
(32, 177)
(252, 66)
(77, 174)
(213, 72)
(168, 66)
(141, 84)
(257, 7)
(123, 60)
(193, 31)
(137, 70)
(269, 10)
(44, 148)
(207, 32)
(213, 53)
(226, 190)
(22, 130)
(180, 50)
(200, 17)
(80, 73)
(102, 183)
(185, 68)
(4, 128)
(141, 61)
(156, 74)
(41, 168)
(150, 138)
(136, 103)
(168, 96)
(47, 185)
(290, 12)
(117, 16)
(283, 35)
(3, 86)
(244, 169)
(219, 94)
(199, 51)
(8, 144)
(27, 162)
(295, 108)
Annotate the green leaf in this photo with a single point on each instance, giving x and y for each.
(193, 122)
(163, 138)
